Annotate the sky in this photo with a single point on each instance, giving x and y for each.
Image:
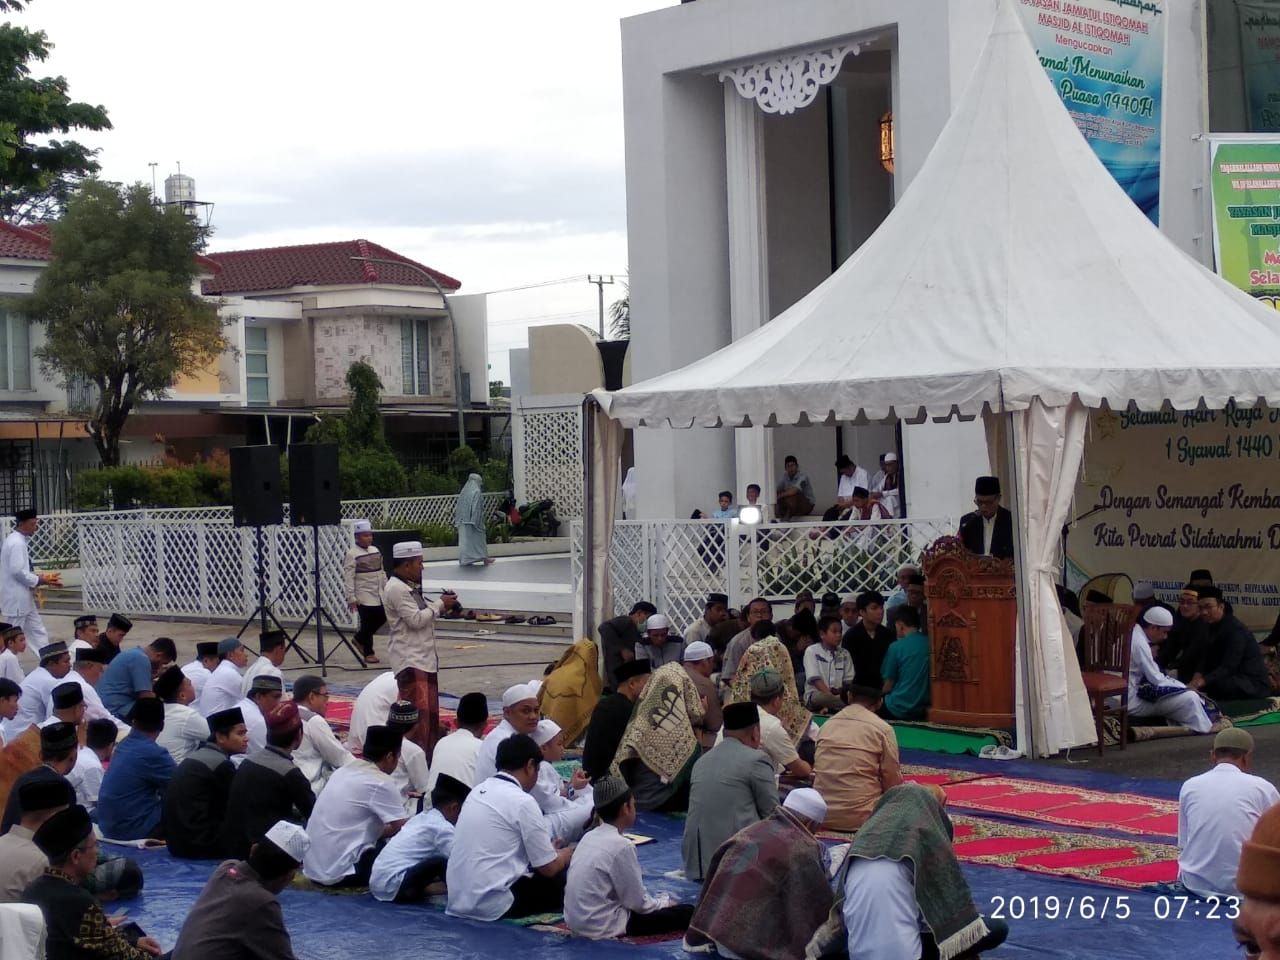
(481, 138)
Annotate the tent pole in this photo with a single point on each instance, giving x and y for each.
(1020, 583)
(588, 521)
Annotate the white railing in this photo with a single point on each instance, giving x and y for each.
(58, 542)
(675, 563)
(206, 568)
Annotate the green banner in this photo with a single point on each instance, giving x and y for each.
(1245, 179)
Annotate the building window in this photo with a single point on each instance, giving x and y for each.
(15, 352)
(255, 365)
(415, 355)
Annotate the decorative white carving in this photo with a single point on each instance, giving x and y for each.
(791, 82)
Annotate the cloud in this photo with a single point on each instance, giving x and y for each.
(484, 139)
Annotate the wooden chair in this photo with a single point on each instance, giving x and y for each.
(1105, 645)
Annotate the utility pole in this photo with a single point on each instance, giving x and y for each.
(453, 326)
(600, 282)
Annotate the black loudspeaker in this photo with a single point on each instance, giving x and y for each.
(255, 486)
(385, 540)
(314, 500)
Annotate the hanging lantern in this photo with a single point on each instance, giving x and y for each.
(886, 141)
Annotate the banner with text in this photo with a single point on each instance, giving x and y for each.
(1106, 60)
(1260, 63)
(1164, 493)
(1245, 181)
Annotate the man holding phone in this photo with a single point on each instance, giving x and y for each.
(411, 619)
(77, 927)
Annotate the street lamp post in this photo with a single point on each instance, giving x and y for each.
(453, 328)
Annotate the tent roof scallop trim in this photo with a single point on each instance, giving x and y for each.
(1015, 266)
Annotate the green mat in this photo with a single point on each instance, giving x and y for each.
(1252, 713)
(941, 741)
(935, 739)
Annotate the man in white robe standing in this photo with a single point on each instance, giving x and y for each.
(18, 580)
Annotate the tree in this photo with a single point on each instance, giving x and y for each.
(620, 314)
(117, 304)
(364, 417)
(38, 173)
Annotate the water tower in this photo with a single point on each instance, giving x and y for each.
(180, 192)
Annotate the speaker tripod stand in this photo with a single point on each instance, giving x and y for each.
(321, 616)
(263, 613)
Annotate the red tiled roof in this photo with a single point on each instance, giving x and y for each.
(33, 243)
(23, 243)
(315, 264)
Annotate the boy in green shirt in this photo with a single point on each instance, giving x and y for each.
(906, 669)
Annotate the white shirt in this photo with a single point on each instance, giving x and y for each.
(775, 742)
(17, 582)
(261, 666)
(320, 753)
(411, 623)
(33, 704)
(880, 910)
(988, 531)
(566, 816)
(221, 690)
(605, 885)
(349, 817)
(184, 730)
(198, 674)
(10, 668)
(426, 837)
(86, 777)
(255, 723)
(1216, 814)
(363, 579)
(456, 756)
(487, 756)
(1142, 665)
(94, 708)
(500, 835)
(411, 774)
(845, 485)
(891, 500)
(832, 667)
(372, 706)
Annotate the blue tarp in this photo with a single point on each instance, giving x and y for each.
(337, 927)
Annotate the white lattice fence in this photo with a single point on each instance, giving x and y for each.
(779, 560)
(676, 563)
(552, 457)
(57, 542)
(173, 567)
(412, 511)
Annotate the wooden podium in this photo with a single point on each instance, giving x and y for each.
(973, 616)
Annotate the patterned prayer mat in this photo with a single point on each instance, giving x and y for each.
(1068, 806)
(341, 706)
(917, 773)
(1057, 853)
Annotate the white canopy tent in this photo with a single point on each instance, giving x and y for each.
(1029, 285)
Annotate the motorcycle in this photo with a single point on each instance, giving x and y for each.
(535, 519)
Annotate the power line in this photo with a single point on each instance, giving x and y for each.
(542, 283)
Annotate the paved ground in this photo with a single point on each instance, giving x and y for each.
(1175, 759)
(529, 584)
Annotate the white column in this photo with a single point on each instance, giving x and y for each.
(748, 265)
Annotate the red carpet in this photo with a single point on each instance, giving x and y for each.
(942, 776)
(1057, 853)
(1067, 806)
